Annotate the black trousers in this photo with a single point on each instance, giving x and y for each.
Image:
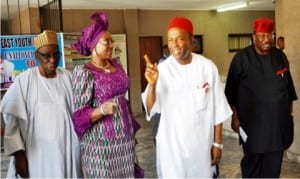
(261, 165)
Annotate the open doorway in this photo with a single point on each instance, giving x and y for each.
(152, 46)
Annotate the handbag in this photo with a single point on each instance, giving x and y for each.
(139, 172)
(216, 173)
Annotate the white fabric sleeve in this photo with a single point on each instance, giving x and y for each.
(222, 109)
(155, 108)
(13, 140)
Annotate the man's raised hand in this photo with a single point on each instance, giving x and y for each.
(151, 71)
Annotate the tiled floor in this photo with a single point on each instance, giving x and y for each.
(229, 166)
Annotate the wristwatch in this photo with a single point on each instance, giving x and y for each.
(220, 146)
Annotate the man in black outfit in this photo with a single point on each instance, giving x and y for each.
(260, 91)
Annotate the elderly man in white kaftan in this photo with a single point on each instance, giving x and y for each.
(37, 111)
(186, 90)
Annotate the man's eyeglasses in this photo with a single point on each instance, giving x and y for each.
(262, 37)
(46, 56)
(106, 42)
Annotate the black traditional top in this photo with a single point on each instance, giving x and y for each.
(261, 88)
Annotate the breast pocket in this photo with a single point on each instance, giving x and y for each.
(276, 88)
(200, 96)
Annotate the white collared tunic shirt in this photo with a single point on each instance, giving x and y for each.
(38, 119)
(191, 101)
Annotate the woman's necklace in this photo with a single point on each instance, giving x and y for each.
(104, 68)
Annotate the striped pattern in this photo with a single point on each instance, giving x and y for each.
(108, 146)
(109, 158)
(82, 87)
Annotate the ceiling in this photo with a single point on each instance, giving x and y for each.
(136, 4)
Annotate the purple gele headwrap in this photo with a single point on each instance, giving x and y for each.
(91, 34)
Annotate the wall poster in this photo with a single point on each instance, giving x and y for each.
(18, 54)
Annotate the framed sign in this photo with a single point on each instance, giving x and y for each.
(72, 58)
(198, 44)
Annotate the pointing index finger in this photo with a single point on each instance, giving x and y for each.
(147, 59)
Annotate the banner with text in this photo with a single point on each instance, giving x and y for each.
(18, 54)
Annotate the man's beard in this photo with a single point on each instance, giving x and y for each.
(186, 55)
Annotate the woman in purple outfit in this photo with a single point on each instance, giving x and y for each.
(102, 116)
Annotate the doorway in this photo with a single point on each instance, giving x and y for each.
(152, 46)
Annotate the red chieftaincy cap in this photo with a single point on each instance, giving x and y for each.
(181, 22)
(263, 25)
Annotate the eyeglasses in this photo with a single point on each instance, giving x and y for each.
(46, 56)
(262, 37)
(106, 42)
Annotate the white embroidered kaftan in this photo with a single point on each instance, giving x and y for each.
(191, 101)
(38, 119)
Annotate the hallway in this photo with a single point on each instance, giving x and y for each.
(229, 166)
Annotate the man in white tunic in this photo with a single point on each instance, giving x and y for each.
(37, 111)
(187, 91)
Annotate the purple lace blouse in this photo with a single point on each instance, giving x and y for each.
(92, 87)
